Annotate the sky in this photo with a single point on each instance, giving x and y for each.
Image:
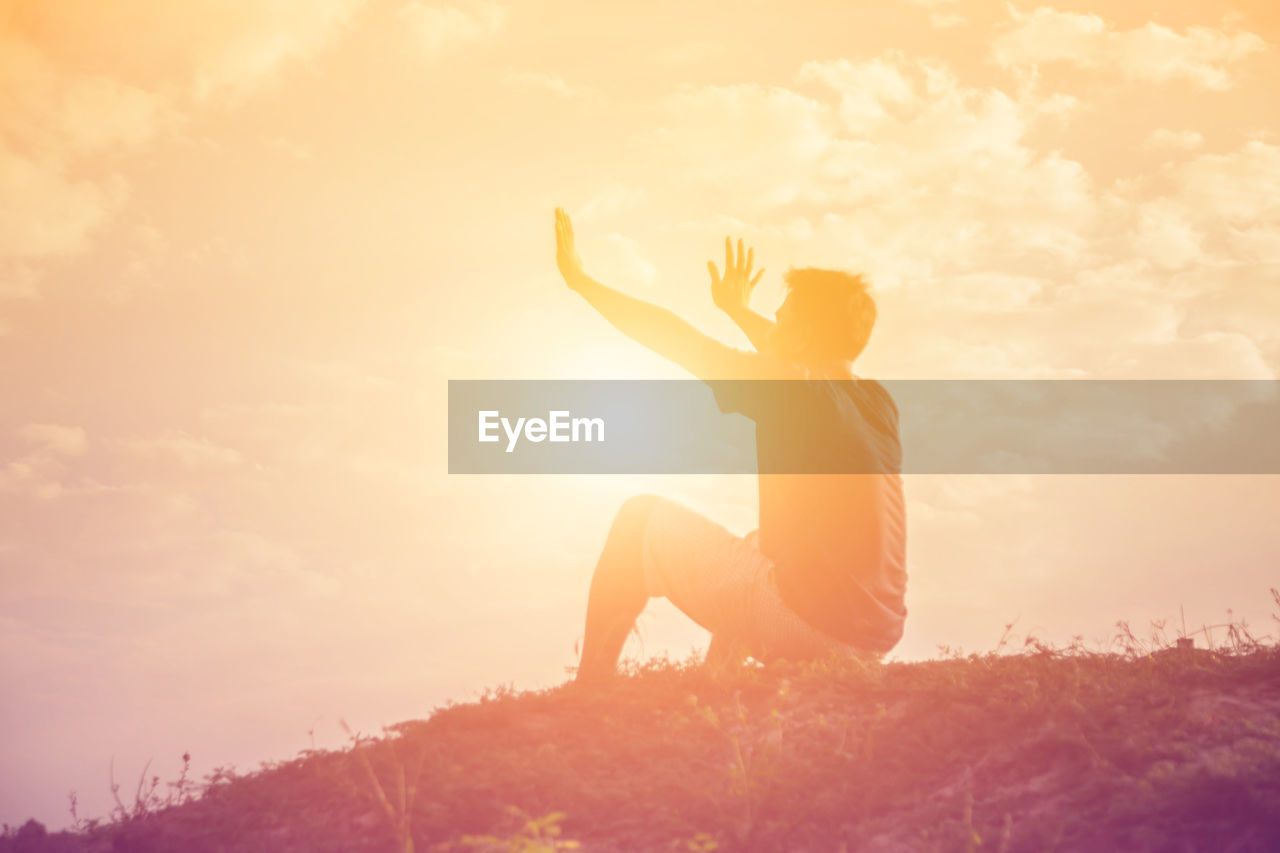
(245, 244)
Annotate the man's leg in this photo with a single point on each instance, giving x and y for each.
(618, 593)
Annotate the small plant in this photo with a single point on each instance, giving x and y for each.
(535, 835)
(397, 809)
(701, 842)
(753, 757)
(147, 797)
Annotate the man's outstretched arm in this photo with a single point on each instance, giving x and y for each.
(732, 293)
(656, 328)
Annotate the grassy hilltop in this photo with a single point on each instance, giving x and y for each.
(1042, 750)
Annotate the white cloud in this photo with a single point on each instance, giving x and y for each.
(1151, 53)
(992, 292)
(41, 471)
(187, 451)
(345, 377)
(539, 81)
(17, 281)
(55, 112)
(1004, 257)
(1241, 187)
(937, 16)
(900, 169)
(625, 261)
(30, 477)
(46, 107)
(443, 26)
(868, 90)
(610, 200)
(257, 40)
(1174, 140)
(758, 144)
(44, 211)
(62, 440)
(1165, 234)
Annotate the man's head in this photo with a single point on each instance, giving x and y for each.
(827, 316)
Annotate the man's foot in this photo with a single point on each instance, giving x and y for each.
(725, 654)
(593, 679)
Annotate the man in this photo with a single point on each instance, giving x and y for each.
(825, 573)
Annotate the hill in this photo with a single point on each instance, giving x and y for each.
(1043, 750)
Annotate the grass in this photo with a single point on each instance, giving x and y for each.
(1140, 746)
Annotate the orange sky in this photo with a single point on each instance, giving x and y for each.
(243, 245)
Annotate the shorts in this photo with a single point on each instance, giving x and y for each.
(727, 585)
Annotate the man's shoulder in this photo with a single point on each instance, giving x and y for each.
(874, 404)
(874, 391)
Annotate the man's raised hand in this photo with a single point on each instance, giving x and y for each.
(732, 292)
(566, 253)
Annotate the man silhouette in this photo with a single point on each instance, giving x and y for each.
(825, 572)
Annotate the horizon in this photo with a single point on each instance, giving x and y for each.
(244, 248)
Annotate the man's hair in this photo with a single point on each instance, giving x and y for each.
(834, 309)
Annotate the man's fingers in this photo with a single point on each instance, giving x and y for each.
(741, 257)
(564, 228)
(751, 260)
(715, 274)
(728, 255)
(757, 278)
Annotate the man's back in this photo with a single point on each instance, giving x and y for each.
(837, 533)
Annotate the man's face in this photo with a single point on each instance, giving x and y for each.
(785, 340)
(786, 311)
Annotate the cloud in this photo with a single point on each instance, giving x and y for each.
(1222, 211)
(189, 452)
(1151, 53)
(937, 16)
(720, 134)
(612, 199)
(867, 89)
(901, 169)
(76, 82)
(440, 27)
(52, 107)
(1165, 234)
(341, 376)
(996, 254)
(257, 40)
(1241, 187)
(44, 212)
(41, 471)
(1174, 140)
(195, 49)
(946, 20)
(62, 440)
(538, 81)
(625, 261)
